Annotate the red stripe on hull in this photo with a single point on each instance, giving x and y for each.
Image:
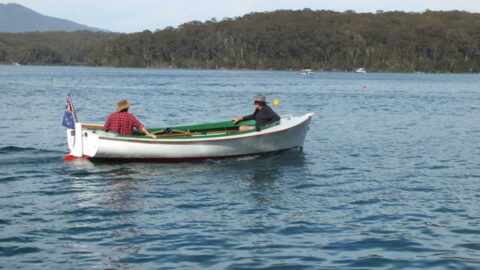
(70, 157)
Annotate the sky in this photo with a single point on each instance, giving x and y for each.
(138, 15)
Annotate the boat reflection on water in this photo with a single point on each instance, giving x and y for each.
(106, 202)
(271, 167)
(109, 186)
(114, 182)
(110, 198)
(121, 187)
(268, 175)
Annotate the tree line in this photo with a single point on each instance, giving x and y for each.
(321, 40)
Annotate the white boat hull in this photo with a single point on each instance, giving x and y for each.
(290, 133)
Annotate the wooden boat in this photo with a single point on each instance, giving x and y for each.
(188, 143)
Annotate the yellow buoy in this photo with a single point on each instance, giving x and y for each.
(276, 102)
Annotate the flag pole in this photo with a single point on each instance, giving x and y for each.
(73, 108)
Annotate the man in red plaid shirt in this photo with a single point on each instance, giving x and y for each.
(123, 122)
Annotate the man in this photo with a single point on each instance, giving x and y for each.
(263, 115)
(123, 122)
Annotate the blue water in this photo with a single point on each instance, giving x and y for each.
(389, 177)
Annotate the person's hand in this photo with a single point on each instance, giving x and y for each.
(153, 136)
(237, 119)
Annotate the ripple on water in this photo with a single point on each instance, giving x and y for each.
(474, 232)
(385, 244)
(14, 149)
(10, 251)
(4, 221)
(471, 246)
(11, 178)
(367, 202)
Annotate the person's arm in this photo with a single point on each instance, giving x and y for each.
(245, 118)
(153, 136)
(248, 117)
(140, 127)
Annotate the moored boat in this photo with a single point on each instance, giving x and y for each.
(361, 70)
(188, 143)
(307, 72)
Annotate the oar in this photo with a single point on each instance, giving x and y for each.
(172, 132)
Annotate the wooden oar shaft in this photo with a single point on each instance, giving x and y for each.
(184, 133)
(92, 126)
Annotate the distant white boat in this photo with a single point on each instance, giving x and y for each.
(361, 70)
(307, 72)
(16, 64)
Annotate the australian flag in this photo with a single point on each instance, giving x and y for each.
(68, 117)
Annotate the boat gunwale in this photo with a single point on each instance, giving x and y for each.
(215, 138)
(217, 127)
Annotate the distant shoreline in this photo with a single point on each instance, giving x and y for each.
(430, 42)
(231, 69)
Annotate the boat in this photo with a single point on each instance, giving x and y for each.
(217, 140)
(307, 72)
(361, 70)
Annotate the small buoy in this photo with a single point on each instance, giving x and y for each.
(276, 102)
(365, 86)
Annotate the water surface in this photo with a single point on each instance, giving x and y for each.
(389, 176)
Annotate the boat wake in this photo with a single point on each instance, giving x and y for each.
(285, 157)
(12, 155)
(15, 149)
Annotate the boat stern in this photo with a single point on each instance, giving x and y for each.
(82, 142)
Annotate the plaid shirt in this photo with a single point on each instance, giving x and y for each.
(122, 123)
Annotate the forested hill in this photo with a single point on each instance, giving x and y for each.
(390, 41)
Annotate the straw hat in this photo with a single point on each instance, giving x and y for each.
(122, 105)
(260, 98)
